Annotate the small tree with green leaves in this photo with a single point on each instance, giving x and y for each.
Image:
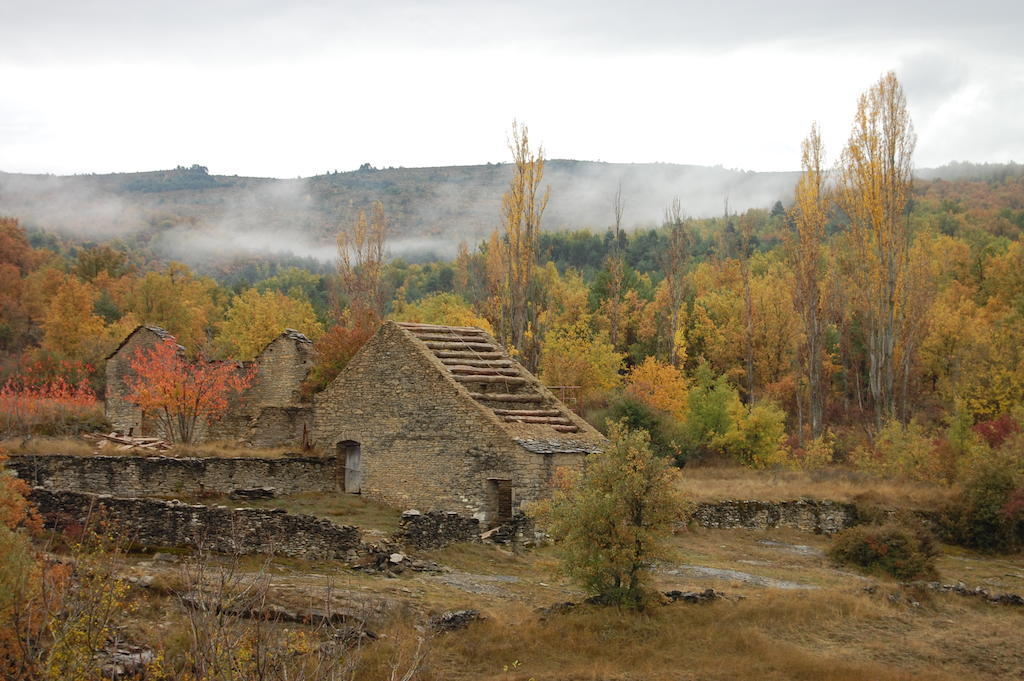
(613, 519)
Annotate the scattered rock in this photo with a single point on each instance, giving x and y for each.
(705, 596)
(396, 558)
(253, 493)
(165, 557)
(125, 662)
(735, 575)
(977, 592)
(453, 620)
(273, 613)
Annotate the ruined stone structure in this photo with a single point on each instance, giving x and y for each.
(268, 414)
(426, 416)
(164, 476)
(808, 515)
(441, 418)
(155, 523)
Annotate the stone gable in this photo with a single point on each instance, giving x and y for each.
(268, 414)
(438, 417)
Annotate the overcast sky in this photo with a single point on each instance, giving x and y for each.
(287, 88)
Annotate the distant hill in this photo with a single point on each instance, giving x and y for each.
(188, 214)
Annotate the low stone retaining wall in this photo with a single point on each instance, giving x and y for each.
(436, 529)
(133, 476)
(155, 523)
(809, 515)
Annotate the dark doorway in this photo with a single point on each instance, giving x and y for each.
(499, 502)
(350, 453)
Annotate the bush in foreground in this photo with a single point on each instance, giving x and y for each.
(989, 512)
(886, 549)
(615, 519)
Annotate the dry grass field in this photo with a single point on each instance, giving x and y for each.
(714, 483)
(790, 614)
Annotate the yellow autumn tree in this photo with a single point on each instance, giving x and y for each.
(576, 355)
(440, 308)
(177, 300)
(660, 386)
(875, 179)
(522, 207)
(254, 319)
(71, 331)
(361, 252)
(809, 216)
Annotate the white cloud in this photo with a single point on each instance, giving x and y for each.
(289, 89)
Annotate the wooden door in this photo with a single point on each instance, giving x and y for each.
(353, 468)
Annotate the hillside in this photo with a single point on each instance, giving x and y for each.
(187, 213)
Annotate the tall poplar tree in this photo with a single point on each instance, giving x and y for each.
(521, 210)
(809, 215)
(875, 180)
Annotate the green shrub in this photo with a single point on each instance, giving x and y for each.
(901, 450)
(757, 436)
(635, 415)
(712, 402)
(886, 549)
(989, 513)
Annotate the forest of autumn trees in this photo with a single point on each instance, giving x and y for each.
(873, 308)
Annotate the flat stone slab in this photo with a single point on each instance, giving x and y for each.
(700, 571)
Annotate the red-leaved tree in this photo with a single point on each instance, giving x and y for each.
(179, 393)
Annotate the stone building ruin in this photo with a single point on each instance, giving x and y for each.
(268, 414)
(424, 416)
(441, 417)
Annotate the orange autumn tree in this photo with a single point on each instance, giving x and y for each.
(180, 393)
(660, 386)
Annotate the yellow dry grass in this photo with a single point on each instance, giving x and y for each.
(826, 635)
(713, 483)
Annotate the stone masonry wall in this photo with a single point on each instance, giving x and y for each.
(423, 443)
(124, 415)
(820, 517)
(154, 523)
(165, 476)
(435, 529)
(280, 369)
(283, 366)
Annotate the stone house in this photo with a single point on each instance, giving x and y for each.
(440, 417)
(268, 414)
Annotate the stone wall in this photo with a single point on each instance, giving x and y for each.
(280, 369)
(131, 476)
(820, 517)
(424, 443)
(435, 529)
(280, 426)
(283, 366)
(121, 413)
(154, 523)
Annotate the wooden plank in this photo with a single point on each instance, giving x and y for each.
(566, 429)
(476, 347)
(455, 338)
(485, 363)
(507, 397)
(468, 354)
(482, 371)
(528, 412)
(480, 378)
(439, 327)
(549, 420)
